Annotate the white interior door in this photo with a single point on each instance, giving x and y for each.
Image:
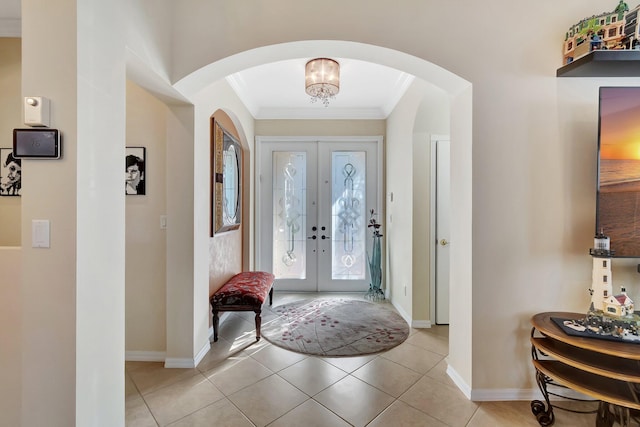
(441, 211)
(314, 202)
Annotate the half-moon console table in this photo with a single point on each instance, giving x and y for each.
(607, 371)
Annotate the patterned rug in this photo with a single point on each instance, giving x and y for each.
(335, 327)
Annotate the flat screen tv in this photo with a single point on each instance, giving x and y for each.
(618, 193)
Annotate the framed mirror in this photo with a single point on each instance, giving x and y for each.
(226, 181)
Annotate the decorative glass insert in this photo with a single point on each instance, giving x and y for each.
(289, 214)
(348, 213)
(231, 184)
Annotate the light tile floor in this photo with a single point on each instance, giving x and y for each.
(241, 383)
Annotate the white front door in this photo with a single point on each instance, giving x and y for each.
(314, 205)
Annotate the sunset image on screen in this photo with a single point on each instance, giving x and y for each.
(618, 193)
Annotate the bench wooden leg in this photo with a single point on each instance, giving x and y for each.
(258, 323)
(216, 322)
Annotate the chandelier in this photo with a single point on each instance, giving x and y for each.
(322, 79)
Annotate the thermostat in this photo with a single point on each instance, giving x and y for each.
(36, 143)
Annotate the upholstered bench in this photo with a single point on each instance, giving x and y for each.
(245, 291)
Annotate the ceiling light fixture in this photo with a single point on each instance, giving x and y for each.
(322, 79)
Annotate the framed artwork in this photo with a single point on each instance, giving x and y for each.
(226, 180)
(10, 173)
(134, 177)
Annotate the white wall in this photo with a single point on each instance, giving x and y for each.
(73, 293)
(149, 30)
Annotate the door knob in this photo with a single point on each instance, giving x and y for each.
(444, 242)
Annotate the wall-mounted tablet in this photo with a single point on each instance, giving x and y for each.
(36, 143)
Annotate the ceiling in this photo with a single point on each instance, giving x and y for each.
(276, 90)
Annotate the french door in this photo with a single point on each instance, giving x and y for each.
(314, 205)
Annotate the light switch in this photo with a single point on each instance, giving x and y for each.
(163, 222)
(40, 233)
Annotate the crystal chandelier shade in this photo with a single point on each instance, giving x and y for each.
(322, 79)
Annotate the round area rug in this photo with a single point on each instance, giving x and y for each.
(335, 327)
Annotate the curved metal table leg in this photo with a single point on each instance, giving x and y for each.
(544, 414)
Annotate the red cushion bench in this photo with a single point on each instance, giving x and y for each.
(245, 291)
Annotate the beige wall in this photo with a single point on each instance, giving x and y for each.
(432, 118)
(532, 161)
(145, 267)
(533, 155)
(217, 97)
(399, 213)
(10, 118)
(226, 251)
(10, 336)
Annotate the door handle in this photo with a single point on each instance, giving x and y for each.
(444, 242)
(312, 237)
(324, 237)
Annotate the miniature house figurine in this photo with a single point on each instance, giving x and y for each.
(602, 297)
(619, 305)
(607, 30)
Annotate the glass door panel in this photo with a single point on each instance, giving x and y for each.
(347, 191)
(348, 205)
(289, 214)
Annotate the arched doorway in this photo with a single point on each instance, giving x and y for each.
(459, 92)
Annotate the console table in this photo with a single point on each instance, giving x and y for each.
(607, 371)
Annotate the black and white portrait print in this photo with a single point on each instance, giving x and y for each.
(134, 170)
(10, 173)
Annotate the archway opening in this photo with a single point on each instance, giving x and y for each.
(459, 93)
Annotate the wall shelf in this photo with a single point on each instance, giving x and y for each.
(604, 63)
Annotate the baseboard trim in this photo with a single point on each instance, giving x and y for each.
(402, 313)
(420, 324)
(203, 352)
(457, 379)
(178, 362)
(508, 394)
(505, 394)
(185, 362)
(145, 356)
